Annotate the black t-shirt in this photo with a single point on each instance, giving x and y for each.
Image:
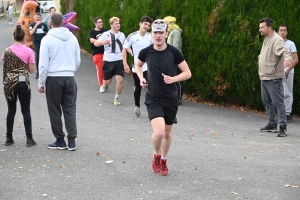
(161, 62)
(39, 33)
(96, 34)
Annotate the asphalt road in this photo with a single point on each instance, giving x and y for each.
(217, 153)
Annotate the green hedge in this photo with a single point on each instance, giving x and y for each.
(221, 40)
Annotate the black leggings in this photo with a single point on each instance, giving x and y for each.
(138, 88)
(24, 94)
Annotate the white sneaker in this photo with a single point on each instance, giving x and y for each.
(137, 111)
(103, 88)
(117, 102)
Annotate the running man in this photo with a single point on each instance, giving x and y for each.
(135, 42)
(161, 98)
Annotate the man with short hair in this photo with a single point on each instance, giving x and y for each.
(137, 41)
(97, 52)
(60, 59)
(113, 65)
(162, 96)
(274, 55)
(288, 79)
(38, 30)
(46, 20)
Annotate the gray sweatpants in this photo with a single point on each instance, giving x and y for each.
(288, 92)
(61, 95)
(271, 92)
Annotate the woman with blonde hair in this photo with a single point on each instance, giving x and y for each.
(18, 60)
(174, 39)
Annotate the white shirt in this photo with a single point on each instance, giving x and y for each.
(10, 10)
(137, 42)
(291, 46)
(108, 54)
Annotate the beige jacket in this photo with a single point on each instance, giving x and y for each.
(271, 58)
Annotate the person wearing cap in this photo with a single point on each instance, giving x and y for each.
(137, 41)
(175, 39)
(161, 98)
(113, 65)
(10, 13)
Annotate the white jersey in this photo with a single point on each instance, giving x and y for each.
(113, 50)
(137, 42)
(291, 46)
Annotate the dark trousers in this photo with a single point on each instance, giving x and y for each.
(37, 57)
(138, 88)
(24, 94)
(61, 95)
(272, 97)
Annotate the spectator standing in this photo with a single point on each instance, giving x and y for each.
(60, 59)
(18, 60)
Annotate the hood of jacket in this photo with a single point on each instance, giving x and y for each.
(61, 33)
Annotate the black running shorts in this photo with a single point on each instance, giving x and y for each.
(165, 107)
(112, 68)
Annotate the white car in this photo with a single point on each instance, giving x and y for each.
(46, 5)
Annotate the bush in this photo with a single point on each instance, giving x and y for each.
(221, 41)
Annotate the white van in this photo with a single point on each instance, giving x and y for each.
(46, 5)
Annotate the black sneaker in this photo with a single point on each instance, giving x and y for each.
(72, 146)
(289, 118)
(282, 131)
(30, 142)
(9, 141)
(58, 145)
(269, 128)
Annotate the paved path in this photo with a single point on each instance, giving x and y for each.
(217, 153)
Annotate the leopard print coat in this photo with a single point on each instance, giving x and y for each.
(13, 67)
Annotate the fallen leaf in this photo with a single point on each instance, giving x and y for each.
(150, 192)
(19, 176)
(240, 178)
(98, 154)
(295, 186)
(131, 138)
(68, 176)
(45, 195)
(191, 137)
(62, 167)
(216, 135)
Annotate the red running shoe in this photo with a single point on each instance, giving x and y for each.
(156, 164)
(164, 168)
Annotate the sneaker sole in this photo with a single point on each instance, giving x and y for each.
(164, 174)
(273, 131)
(281, 135)
(72, 149)
(59, 148)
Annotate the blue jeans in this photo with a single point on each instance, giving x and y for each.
(272, 97)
